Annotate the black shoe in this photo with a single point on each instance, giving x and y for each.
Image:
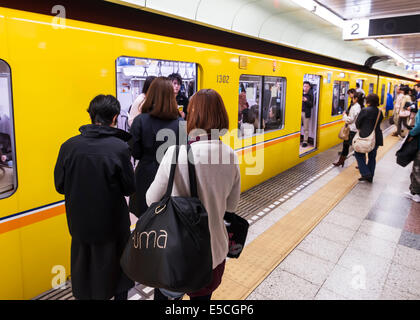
(304, 145)
(368, 179)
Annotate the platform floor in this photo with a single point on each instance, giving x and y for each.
(362, 240)
(367, 247)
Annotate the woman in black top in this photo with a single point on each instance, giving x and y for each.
(365, 123)
(153, 131)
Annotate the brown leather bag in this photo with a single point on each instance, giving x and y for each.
(344, 132)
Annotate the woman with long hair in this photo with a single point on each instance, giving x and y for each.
(159, 111)
(349, 117)
(218, 177)
(135, 108)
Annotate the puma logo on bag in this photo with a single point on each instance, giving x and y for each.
(137, 239)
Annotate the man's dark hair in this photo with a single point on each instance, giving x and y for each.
(102, 109)
(357, 85)
(175, 76)
(406, 89)
(372, 100)
(308, 83)
(352, 91)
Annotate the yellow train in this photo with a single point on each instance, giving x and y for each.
(51, 68)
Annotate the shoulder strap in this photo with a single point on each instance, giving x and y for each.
(172, 173)
(191, 173)
(377, 119)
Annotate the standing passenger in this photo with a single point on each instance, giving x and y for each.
(349, 118)
(94, 172)
(159, 111)
(414, 193)
(307, 104)
(358, 89)
(218, 178)
(135, 108)
(365, 123)
(181, 98)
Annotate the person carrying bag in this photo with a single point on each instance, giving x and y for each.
(170, 246)
(368, 138)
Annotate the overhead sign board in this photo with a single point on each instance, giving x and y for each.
(380, 28)
(356, 29)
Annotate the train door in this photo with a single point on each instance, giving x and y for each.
(309, 118)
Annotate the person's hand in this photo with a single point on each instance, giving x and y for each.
(182, 114)
(3, 158)
(304, 99)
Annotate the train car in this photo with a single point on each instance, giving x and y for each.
(50, 69)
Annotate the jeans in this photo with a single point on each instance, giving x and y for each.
(367, 170)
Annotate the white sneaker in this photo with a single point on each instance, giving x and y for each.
(408, 195)
(416, 198)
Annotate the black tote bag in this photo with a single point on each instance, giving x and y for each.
(170, 246)
(408, 151)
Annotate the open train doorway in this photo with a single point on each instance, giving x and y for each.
(309, 114)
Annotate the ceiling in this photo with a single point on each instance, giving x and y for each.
(286, 22)
(406, 46)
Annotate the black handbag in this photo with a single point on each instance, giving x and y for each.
(408, 151)
(170, 246)
(237, 229)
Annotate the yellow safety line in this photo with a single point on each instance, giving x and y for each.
(264, 254)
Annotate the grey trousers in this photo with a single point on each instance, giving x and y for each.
(305, 123)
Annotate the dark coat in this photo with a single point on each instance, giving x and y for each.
(307, 105)
(366, 121)
(94, 172)
(183, 101)
(144, 147)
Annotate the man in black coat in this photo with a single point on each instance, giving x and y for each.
(94, 172)
(181, 98)
(307, 104)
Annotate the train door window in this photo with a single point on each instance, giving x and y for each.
(360, 82)
(249, 105)
(8, 178)
(273, 103)
(309, 113)
(340, 97)
(388, 87)
(370, 87)
(382, 94)
(131, 76)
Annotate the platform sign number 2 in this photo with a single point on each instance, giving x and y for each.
(356, 29)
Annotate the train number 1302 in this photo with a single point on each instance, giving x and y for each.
(222, 78)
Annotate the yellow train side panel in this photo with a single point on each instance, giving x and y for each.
(11, 285)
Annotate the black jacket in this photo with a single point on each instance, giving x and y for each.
(94, 172)
(307, 105)
(144, 147)
(182, 100)
(366, 121)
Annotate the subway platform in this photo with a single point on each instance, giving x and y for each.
(316, 232)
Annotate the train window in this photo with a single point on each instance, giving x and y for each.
(131, 76)
(273, 103)
(388, 87)
(8, 178)
(260, 104)
(370, 87)
(382, 94)
(340, 97)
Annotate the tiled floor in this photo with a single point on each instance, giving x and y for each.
(368, 247)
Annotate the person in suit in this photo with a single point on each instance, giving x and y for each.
(365, 123)
(159, 111)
